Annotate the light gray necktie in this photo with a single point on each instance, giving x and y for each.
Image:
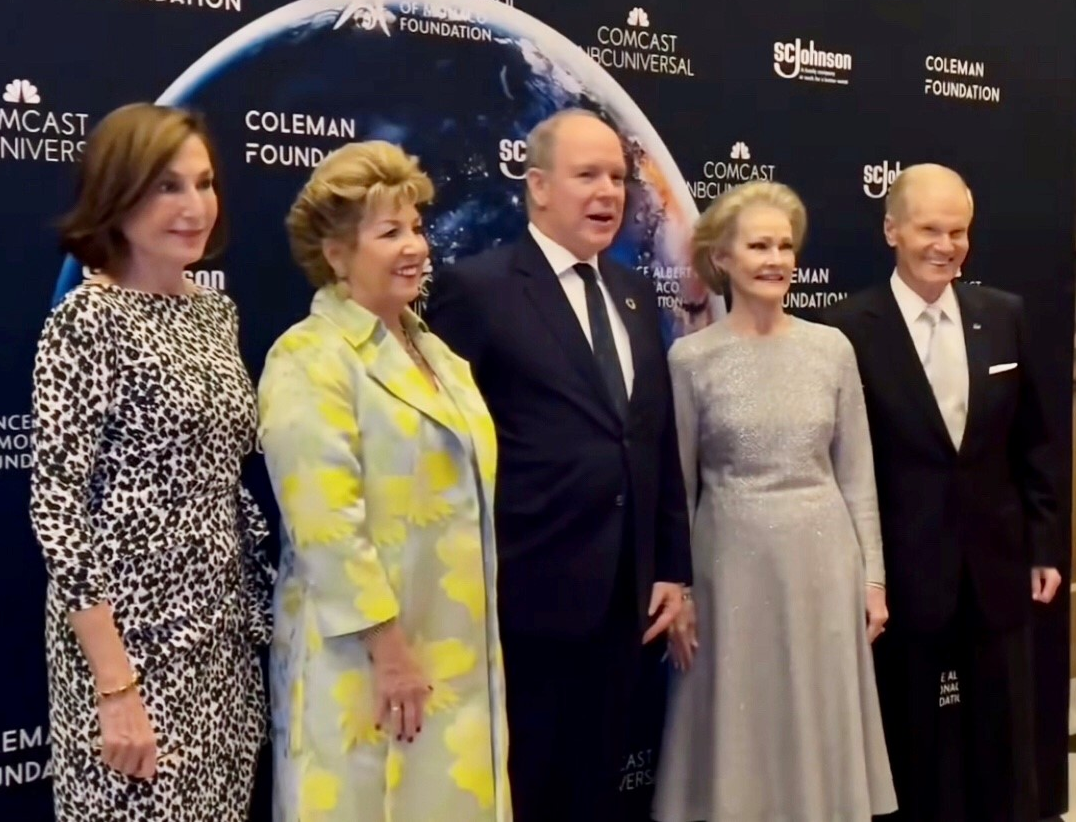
(942, 363)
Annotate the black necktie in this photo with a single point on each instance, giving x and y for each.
(601, 335)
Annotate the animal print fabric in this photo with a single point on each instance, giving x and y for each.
(143, 412)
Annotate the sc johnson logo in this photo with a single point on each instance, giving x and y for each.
(635, 45)
(878, 178)
(718, 176)
(428, 19)
(205, 277)
(795, 61)
(213, 5)
(31, 132)
(513, 158)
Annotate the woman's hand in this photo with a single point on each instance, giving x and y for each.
(877, 612)
(683, 640)
(400, 687)
(128, 743)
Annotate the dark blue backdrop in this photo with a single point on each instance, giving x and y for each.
(831, 99)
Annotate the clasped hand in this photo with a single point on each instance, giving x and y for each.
(128, 742)
(401, 689)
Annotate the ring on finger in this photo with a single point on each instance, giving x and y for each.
(394, 708)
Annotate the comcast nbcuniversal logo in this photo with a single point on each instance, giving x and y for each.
(634, 45)
(22, 91)
(719, 175)
(31, 132)
(740, 151)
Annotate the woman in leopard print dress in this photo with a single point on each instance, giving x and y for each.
(143, 411)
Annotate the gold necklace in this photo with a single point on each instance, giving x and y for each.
(413, 351)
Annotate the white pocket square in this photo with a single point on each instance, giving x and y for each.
(1002, 366)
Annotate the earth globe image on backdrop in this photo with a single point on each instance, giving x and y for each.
(486, 74)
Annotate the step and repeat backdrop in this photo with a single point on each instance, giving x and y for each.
(834, 100)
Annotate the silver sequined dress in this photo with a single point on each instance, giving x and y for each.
(778, 719)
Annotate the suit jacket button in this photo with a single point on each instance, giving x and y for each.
(619, 500)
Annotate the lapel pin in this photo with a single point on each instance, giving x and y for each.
(975, 326)
(630, 303)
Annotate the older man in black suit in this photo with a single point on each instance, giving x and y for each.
(592, 538)
(969, 506)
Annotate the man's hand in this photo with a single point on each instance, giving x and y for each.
(1044, 584)
(666, 601)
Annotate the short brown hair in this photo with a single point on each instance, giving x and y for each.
(344, 186)
(716, 226)
(125, 153)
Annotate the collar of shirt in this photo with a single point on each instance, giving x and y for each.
(911, 305)
(560, 259)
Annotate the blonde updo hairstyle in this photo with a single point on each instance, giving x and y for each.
(716, 227)
(347, 184)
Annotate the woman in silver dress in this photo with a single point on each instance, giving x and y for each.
(773, 713)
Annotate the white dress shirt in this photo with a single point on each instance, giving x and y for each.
(912, 307)
(561, 260)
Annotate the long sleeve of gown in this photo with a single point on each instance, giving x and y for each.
(853, 464)
(687, 427)
(73, 374)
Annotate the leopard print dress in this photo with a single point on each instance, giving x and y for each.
(143, 412)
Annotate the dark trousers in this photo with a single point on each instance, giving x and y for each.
(957, 706)
(568, 702)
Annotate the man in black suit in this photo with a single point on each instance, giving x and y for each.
(592, 540)
(969, 507)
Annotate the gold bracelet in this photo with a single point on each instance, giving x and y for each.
(130, 686)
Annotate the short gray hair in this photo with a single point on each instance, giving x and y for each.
(896, 199)
(542, 139)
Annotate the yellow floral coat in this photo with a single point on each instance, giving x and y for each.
(385, 487)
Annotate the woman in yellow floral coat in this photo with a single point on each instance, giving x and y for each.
(386, 676)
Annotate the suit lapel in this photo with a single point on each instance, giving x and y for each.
(394, 371)
(899, 357)
(976, 345)
(547, 295)
(464, 393)
(385, 360)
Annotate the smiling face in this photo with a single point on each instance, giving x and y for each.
(170, 226)
(578, 202)
(928, 228)
(761, 256)
(382, 264)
